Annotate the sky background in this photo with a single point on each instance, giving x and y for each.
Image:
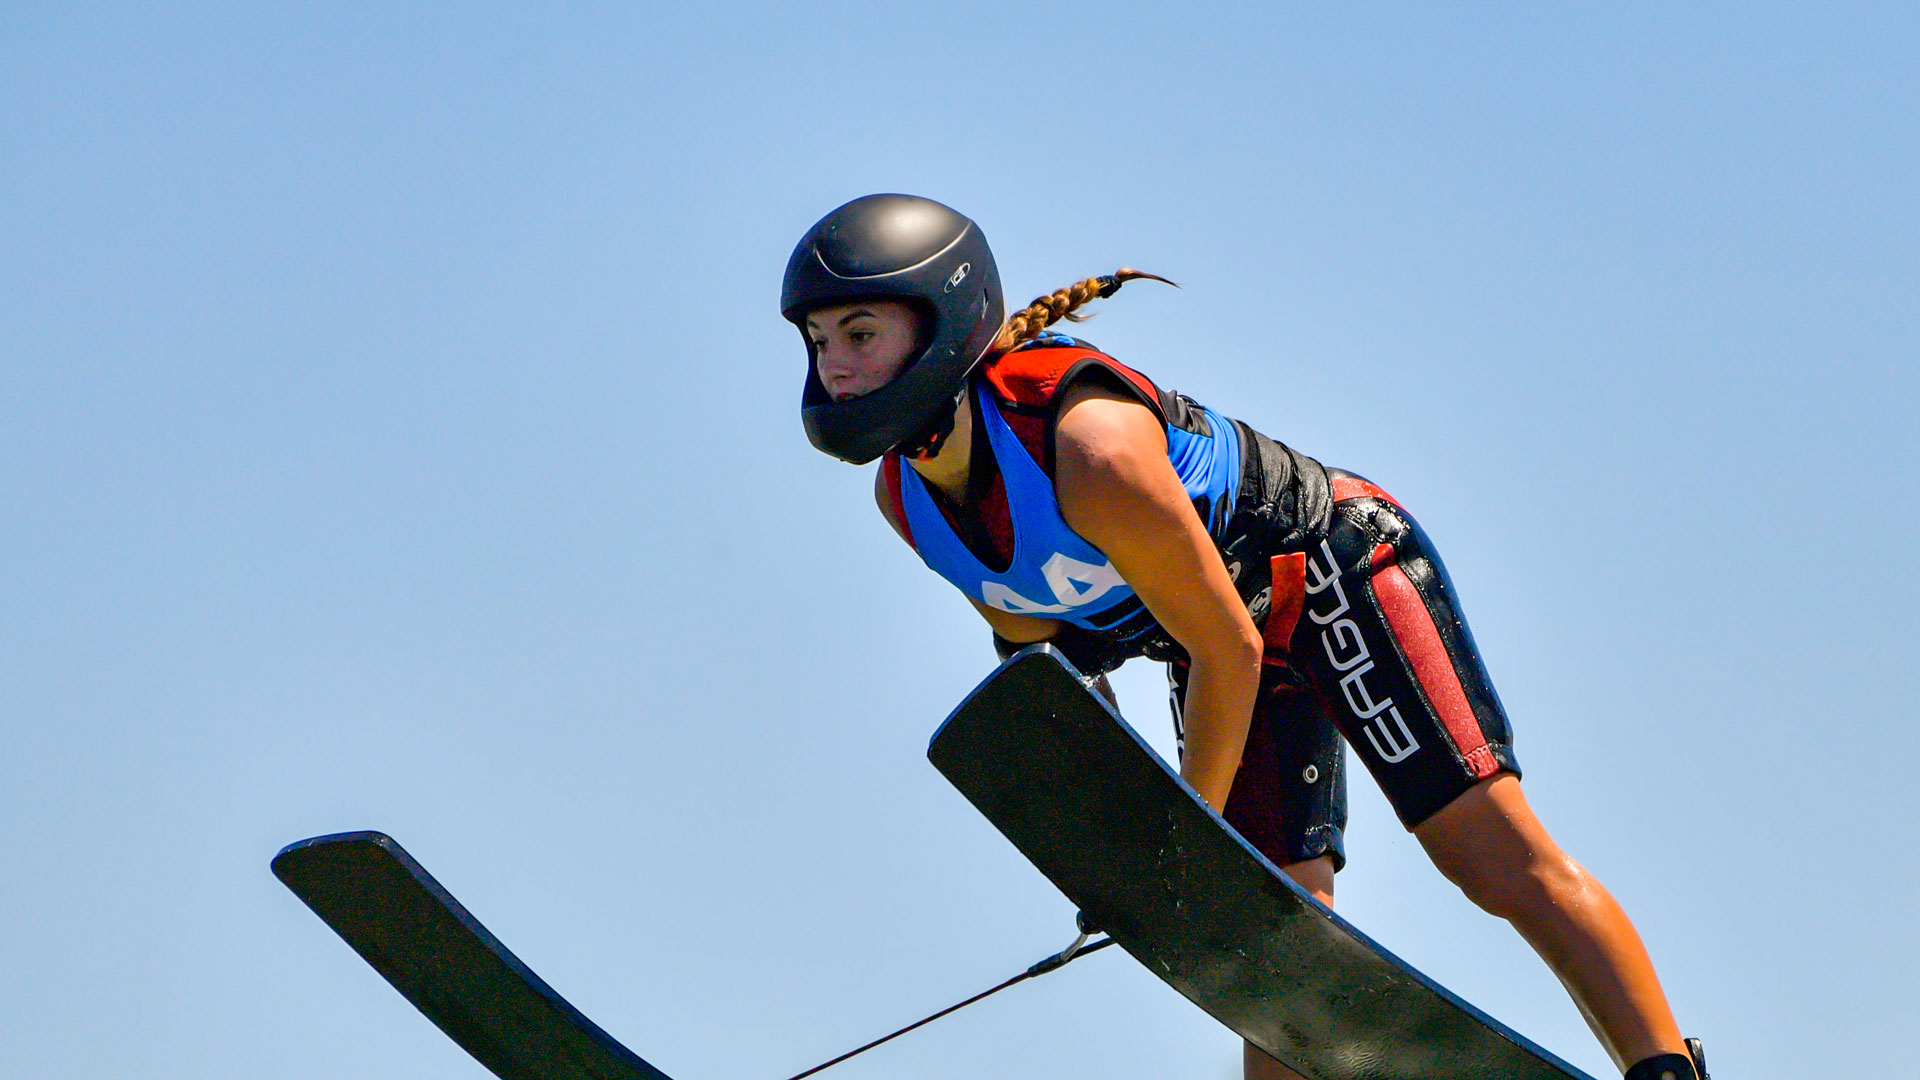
(397, 431)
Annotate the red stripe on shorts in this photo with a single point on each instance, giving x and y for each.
(1419, 638)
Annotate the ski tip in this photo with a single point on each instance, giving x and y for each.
(293, 852)
(1041, 654)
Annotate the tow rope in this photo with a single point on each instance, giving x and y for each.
(1052, 963)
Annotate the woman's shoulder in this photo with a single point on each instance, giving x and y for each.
(1040, 372)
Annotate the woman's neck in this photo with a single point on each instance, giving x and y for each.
(948, 469)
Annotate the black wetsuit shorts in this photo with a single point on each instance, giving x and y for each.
(1366, 644)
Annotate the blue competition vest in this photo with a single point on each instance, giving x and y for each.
(1055, 574)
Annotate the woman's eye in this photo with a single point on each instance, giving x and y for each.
(860, 337)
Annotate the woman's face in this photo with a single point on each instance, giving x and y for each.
(859, 348)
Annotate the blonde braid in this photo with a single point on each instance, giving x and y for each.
(1025, 325)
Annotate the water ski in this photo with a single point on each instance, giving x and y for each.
(440, 958)
(1057, 770)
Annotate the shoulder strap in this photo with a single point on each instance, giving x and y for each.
(1035, 378)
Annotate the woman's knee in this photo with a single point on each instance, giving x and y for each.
(1315, 876)
(1489, 843)
(1518, 888)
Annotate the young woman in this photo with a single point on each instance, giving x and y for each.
(1074, 501)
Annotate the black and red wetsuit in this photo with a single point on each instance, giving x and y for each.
(1365, 640)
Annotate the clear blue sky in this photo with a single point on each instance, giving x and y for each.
(397, 431)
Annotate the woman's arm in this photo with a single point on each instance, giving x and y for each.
(1118, 490)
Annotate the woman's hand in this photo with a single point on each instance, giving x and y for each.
(1118, 490)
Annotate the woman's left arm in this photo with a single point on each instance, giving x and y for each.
(1117, 489)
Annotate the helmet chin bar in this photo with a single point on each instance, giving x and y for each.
(934, 435)
(895, 416)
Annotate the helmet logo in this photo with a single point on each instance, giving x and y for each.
(959, 276)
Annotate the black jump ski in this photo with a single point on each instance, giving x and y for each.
(1096, 810)
(417, 936)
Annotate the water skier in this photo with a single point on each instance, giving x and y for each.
(1075, 501)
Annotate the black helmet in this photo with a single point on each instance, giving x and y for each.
(896, 247)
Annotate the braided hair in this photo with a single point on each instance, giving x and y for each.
(1025, 325)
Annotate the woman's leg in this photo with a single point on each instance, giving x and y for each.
(1315, 876)
(1489, 843)
(1383, 640)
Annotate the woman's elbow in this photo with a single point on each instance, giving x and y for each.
(1239, 651)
